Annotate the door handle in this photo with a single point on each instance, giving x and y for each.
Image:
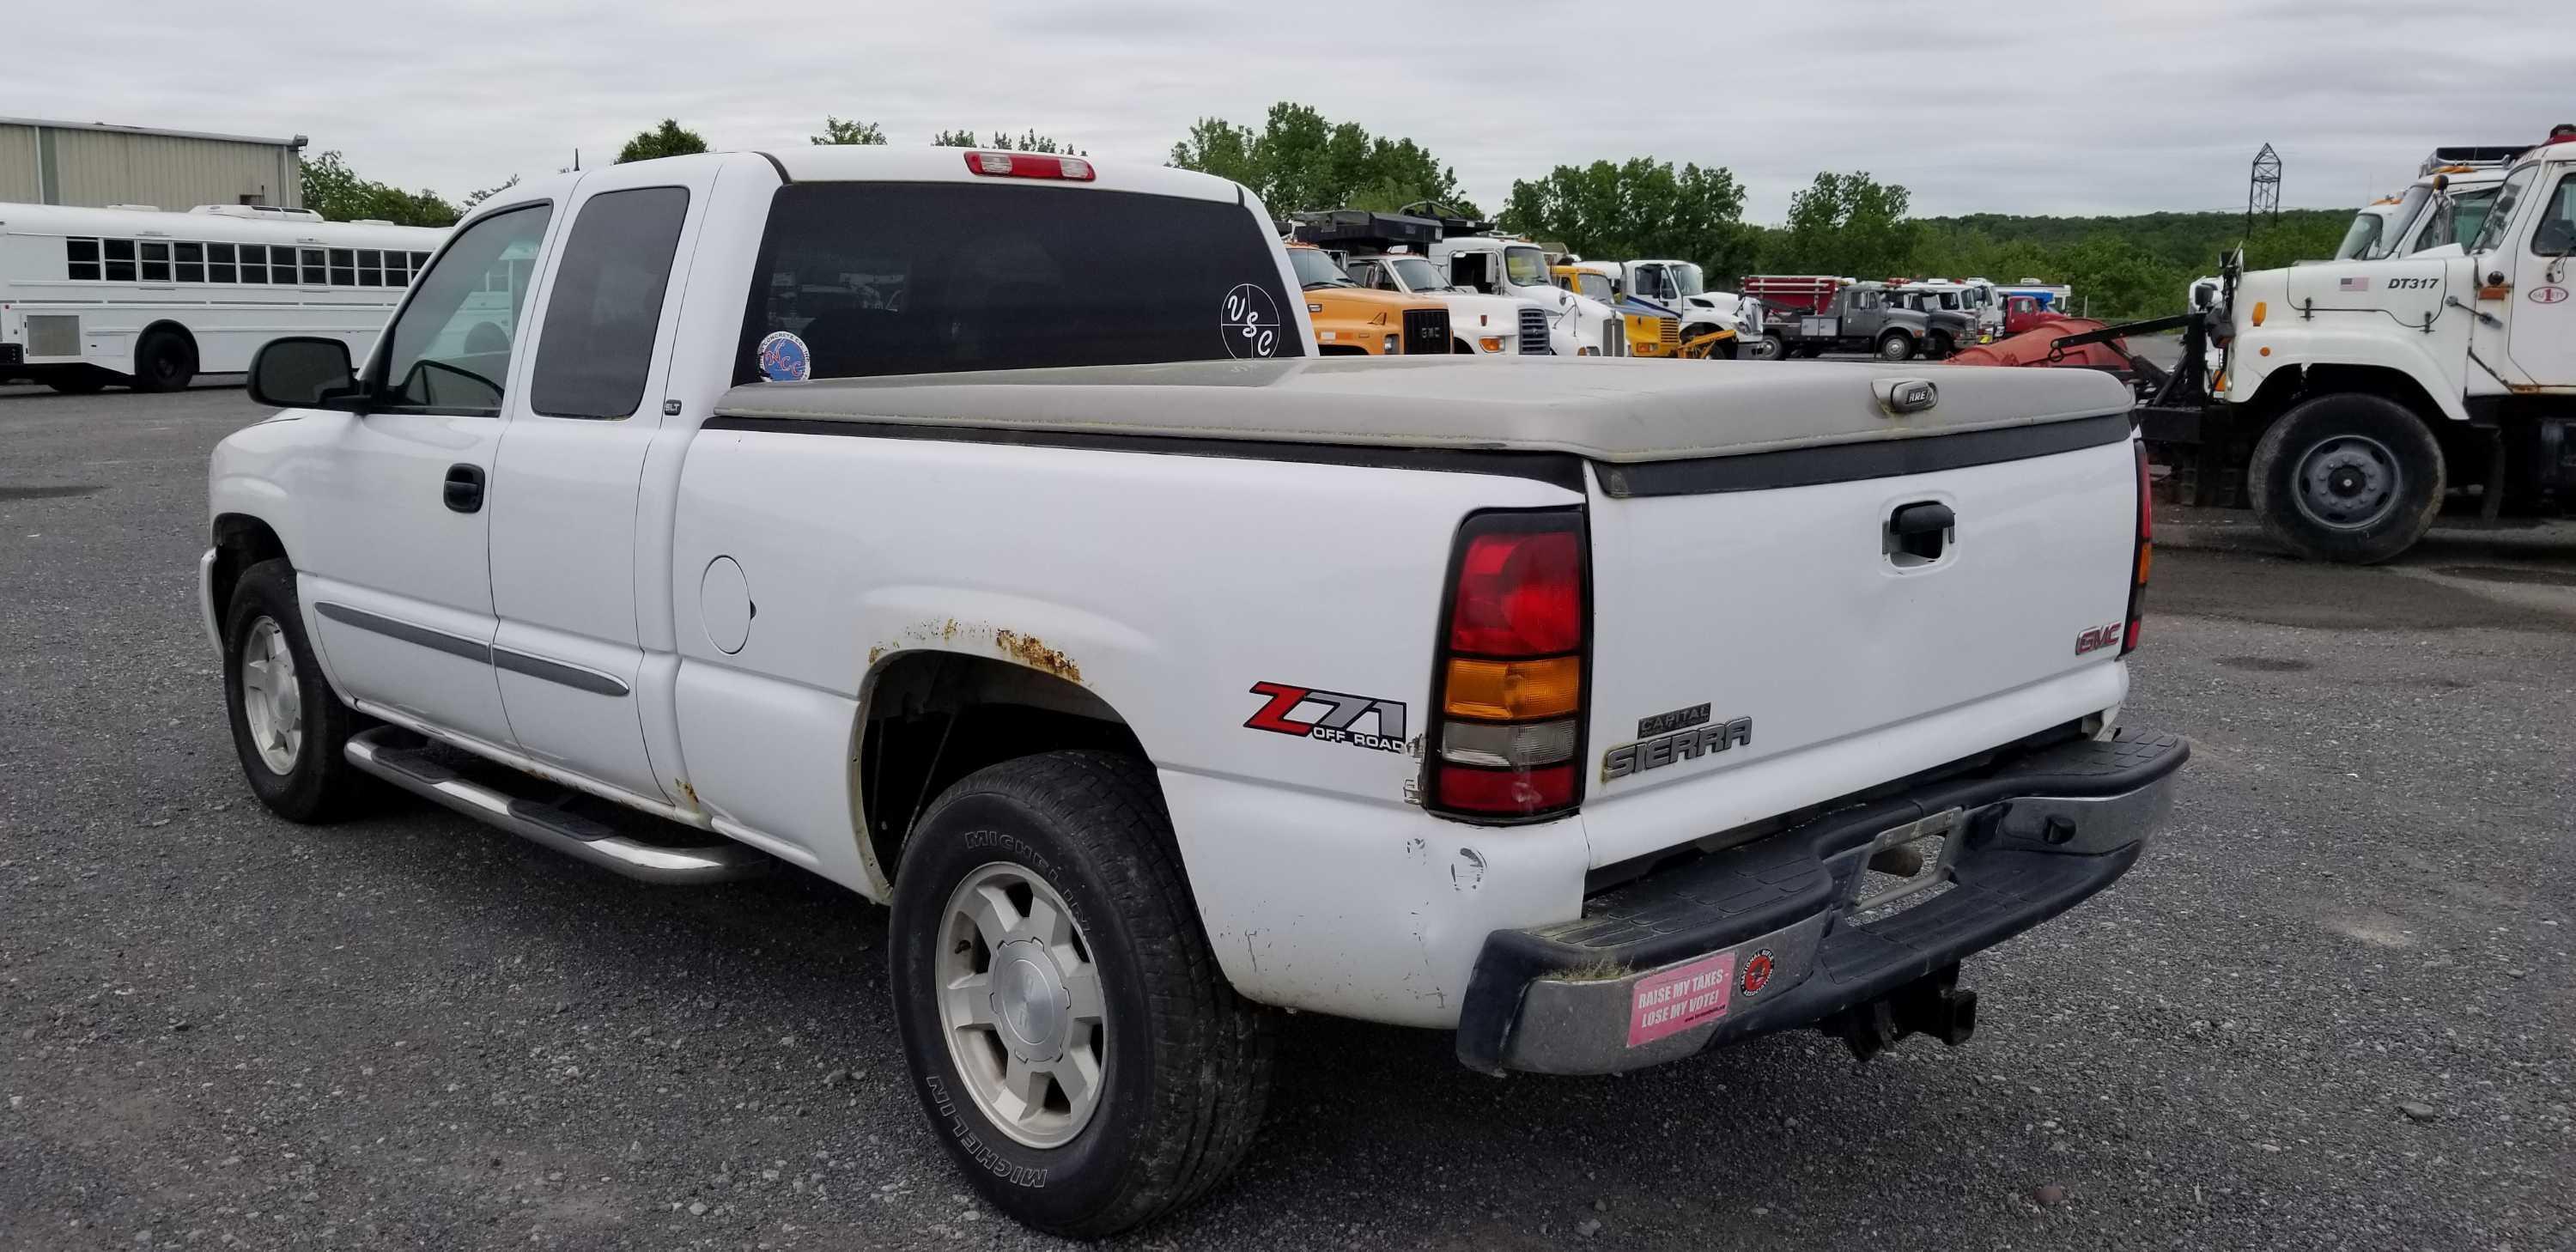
(1917, 533)
(465, 488)
(1926, 517)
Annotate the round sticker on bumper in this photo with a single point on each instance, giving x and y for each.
(784, 358)
(1757, 972)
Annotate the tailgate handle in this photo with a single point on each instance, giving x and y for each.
(1917, 532)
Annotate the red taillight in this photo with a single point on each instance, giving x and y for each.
(1028, 165)
(1519, 594)
(1507, 691)
(2143, 556)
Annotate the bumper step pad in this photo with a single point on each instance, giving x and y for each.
(2036, 837)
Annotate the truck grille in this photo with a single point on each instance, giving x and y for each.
(1534, 332)
(1672, 330)
(1426, 330)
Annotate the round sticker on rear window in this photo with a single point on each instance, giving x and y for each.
(784, 358)
(1250, 323)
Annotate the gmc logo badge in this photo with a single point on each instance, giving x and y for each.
(2100, 637)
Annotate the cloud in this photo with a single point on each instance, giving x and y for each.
(2073, 108)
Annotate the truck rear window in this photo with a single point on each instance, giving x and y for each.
(859, 279)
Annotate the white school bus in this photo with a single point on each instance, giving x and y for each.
(147, 299)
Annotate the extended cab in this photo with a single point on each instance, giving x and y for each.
(810, 511)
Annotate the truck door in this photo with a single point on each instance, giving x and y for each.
(564, 528)
(2542, 338)
(396, 566)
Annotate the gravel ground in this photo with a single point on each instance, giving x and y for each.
(2331, 1009)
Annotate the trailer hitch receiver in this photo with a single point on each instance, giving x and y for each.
(1931, 1005)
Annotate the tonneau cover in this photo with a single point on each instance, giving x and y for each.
(1612, 410)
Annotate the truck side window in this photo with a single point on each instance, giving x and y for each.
(597, 343)
(925, 278)
(2555, 234)
(449, 348)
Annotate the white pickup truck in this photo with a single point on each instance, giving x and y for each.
(980, 532)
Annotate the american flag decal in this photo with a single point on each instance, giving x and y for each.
(2355, 284)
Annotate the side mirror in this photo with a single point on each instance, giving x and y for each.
(304, 373)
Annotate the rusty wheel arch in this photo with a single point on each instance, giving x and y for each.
(930, 716)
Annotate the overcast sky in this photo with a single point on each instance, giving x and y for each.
(2077, 108)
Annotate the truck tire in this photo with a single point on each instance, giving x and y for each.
(1941, 346)
(164, 361)
(2347, 477)
(289, 730)
(1774, 348)
(1896, 345)
(1081, 1113)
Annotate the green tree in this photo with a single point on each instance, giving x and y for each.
(836, 131)
(340, 194)
(473, 198)
(1026, 141)
(1640, 208)
(1848, 224)
(1299, 160)
(665, 140)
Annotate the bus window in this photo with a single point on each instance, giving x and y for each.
(219, 264)
(315, 275)
(81, 259)
(156, 262)
(120, 260)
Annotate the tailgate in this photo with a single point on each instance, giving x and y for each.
(1826, 657)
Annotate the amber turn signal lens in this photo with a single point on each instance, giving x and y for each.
(1514, 690)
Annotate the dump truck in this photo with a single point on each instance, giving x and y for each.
(1351, 320)
(1385, 252)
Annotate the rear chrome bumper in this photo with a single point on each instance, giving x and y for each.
(1780, 933)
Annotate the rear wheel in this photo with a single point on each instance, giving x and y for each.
(164, 361)
(2347, 477)
(1896, 345)
(1774, 347)
(1069, 1035)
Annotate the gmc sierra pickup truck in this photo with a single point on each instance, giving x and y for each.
(702, 516)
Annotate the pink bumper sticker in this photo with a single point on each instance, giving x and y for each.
(1680, 998)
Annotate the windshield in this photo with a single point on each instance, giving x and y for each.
(2458, 222)
(1525, 267)
(1692, 281)
(2358, 238)
(2500, 214)
(2403, 217)
(1416, 274)
(1314, 269)
(1597, 286)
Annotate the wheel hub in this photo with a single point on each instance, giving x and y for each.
(1021, 1005)
(1030, 1000)
(272, 697)
(2348, 482)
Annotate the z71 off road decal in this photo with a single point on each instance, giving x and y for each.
(1341, 713)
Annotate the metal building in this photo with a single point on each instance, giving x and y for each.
(93, 165)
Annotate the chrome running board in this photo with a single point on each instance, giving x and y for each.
(425, 769)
